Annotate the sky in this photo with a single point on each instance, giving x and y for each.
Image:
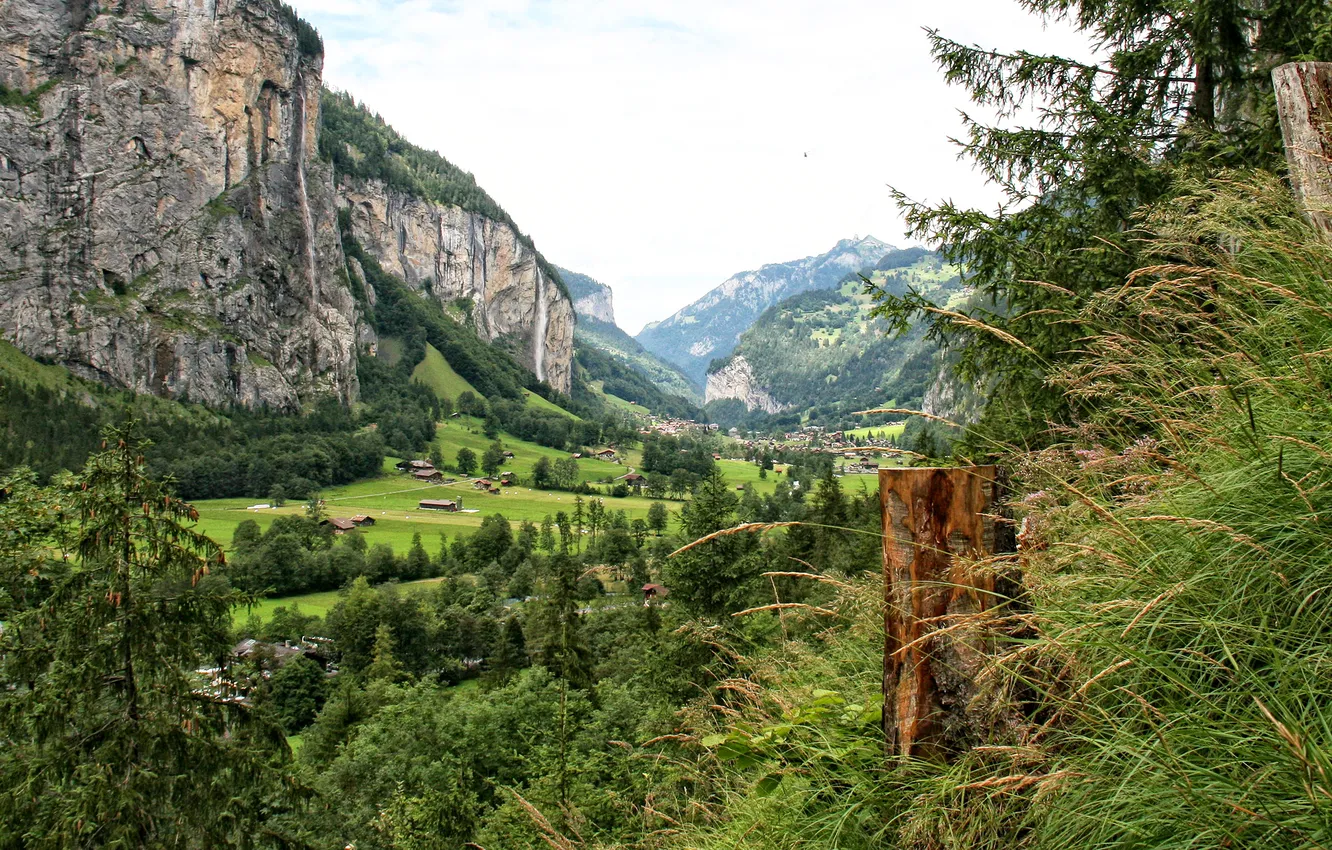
(662, 147)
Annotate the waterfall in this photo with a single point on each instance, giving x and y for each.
(298, 138)
(539, 333)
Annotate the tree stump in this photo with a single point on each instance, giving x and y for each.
(1304, 105)
(930, 516)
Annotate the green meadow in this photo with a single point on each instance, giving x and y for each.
(435, 372)
(392, 500)
(878, 431)
(319, 602)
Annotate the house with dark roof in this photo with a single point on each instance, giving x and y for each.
(439, 505)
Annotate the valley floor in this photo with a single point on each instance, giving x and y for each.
(392, 499)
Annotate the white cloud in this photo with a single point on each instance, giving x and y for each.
(662, 147)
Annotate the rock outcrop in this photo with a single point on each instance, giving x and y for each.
(592, 299)
(736, 380)
(167, 225)
(448, 253)
(949, 398)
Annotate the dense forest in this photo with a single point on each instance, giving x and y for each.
(624, 381)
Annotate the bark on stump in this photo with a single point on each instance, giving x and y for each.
(1304, 105)
(930, 660)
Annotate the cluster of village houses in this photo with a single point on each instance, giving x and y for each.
(676, 427)
(423, 470)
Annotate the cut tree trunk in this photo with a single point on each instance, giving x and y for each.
(937, 523)
(1304, 104)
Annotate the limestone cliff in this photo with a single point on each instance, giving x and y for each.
(948, 397)
(736, 380)
(167, 225)
(592, 299)
(446, 253)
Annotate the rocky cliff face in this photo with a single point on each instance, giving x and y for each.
(596, 305)
(447, 253)
(592, 299)
(736, 380)
(167, 226)
(951, 399)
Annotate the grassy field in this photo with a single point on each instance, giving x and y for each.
(435, 372)
(319, 603)
(878, 430)
(536, 402)
(392, 500)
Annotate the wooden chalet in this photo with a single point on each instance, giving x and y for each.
(363, 520)
(340, 525)
(439, 505)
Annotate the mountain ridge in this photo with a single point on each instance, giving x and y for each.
(594, 304)
(823, 354)
(711, 326)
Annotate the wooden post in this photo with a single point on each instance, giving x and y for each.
(929, 516)
(1304, 105)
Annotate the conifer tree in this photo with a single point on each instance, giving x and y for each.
(715, 578)
(107, 735)
(1183, 87)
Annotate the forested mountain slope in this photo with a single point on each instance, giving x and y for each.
(710, 327)
(427, 223)
(823, 354)
(597, 332)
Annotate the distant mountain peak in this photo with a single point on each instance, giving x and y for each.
(711, 326)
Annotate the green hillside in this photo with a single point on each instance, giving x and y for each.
(614, 342)
(544, 405)
(615, 378)
(825, 354)
(435, 372)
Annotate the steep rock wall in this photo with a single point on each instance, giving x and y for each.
(736, 380)
(447, 253)
(597, 305)
(167, 226)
